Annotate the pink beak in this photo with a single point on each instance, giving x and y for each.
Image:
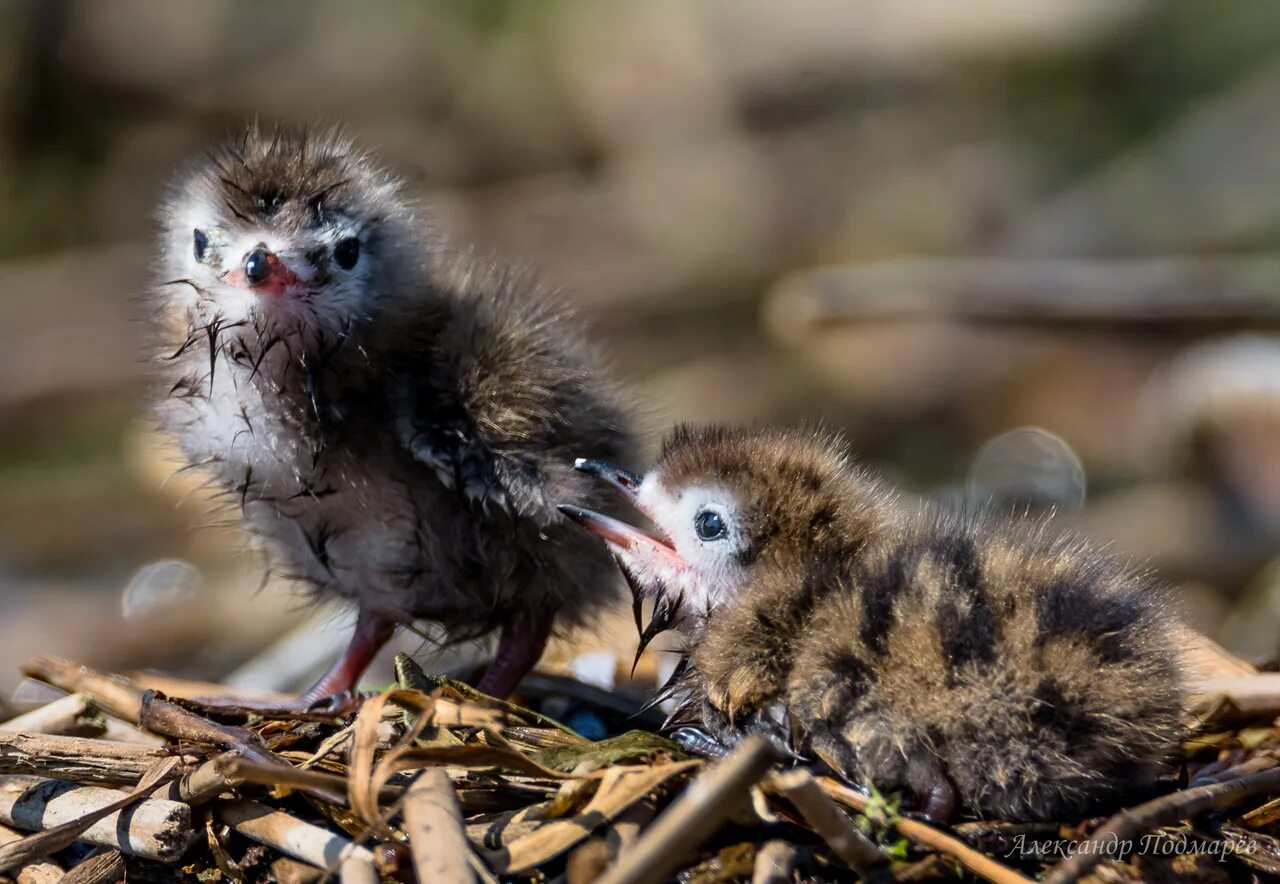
(615, 532)
(264, 272)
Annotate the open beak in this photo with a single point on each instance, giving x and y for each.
(623, 481)
(620, 535)
(627, 485)
(629, 542)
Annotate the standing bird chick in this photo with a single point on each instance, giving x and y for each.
(1008, 668)
(393, 419)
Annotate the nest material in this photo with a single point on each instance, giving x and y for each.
(433, 780)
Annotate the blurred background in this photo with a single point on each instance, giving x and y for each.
(1023, 254)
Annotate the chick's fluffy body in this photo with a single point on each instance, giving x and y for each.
(1032, 673)
(396, 433)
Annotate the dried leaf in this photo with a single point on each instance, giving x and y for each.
(620, 787)
(631, 746)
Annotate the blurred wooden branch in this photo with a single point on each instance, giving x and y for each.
(1178, 296)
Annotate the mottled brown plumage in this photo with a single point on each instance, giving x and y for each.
(1006, 665)
(393, 417)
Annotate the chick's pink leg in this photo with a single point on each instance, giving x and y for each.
(519, 647)
(372, 632)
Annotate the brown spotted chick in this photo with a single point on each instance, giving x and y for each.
(1009, 668)
(393, 417)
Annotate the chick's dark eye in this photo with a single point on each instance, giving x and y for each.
(200, 244)
(709, 525)
(347, 252)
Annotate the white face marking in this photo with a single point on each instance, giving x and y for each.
(711, 574)
(325, 294)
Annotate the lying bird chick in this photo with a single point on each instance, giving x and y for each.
(1013, 669)
(394, 419)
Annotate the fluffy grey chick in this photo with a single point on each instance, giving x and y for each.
(1008, 668)
(394, 419)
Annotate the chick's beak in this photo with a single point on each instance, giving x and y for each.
(623, 481)
(264, 272)
(616, 533)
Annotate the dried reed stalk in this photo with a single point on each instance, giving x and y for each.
(291, 836)
(433, 822)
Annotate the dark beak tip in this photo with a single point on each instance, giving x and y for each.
(569, 511)
(588, 466)
(611, 473)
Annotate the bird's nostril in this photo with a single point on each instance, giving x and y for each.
(257, 265)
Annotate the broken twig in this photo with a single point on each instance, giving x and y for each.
(1135, 821)
(694, 816)
(928, 837)
(857, 851)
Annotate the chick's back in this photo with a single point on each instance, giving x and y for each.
(1033, 673)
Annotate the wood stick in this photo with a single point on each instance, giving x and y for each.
(101, 868)
(1190, 296)
(1135, 821)
(358, 870)
(1253, 695)
(74, 715)
(694, 816)
(154, 828)
(856, 849)
(433, 822)
(75, 758)
(112, 694)
(51, 840)
(44, 871)
(291, 836)
(204, 783)
(775, 863)
(927, 836)
(163, 717)
(189, 689)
